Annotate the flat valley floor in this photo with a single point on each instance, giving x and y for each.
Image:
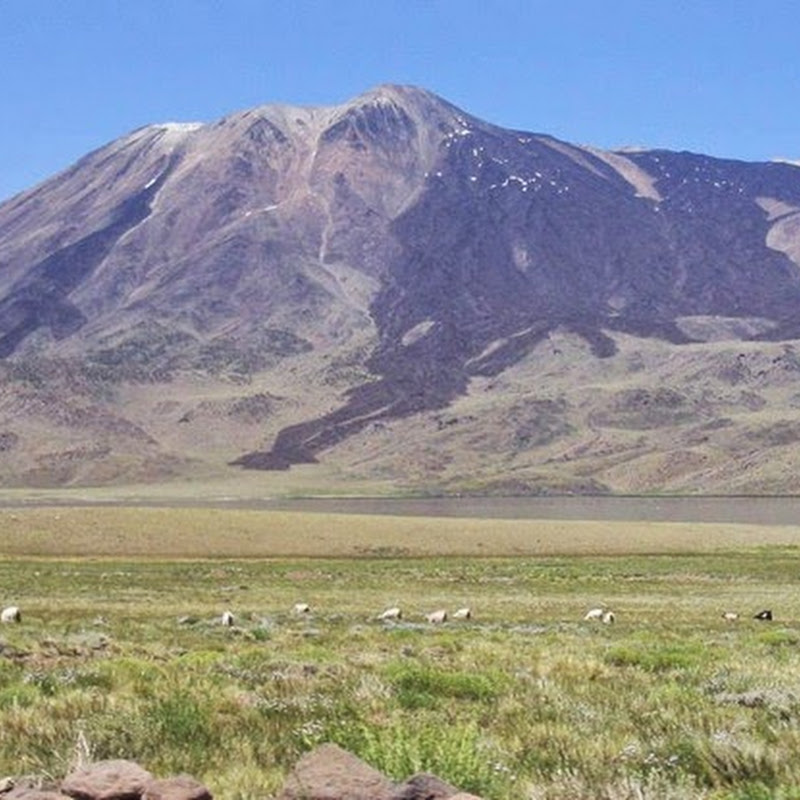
(121, 652)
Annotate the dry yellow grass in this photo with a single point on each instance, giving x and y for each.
(126, 531)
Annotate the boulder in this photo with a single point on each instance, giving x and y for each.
(181, 787)
(423, 786)
(330, 773)
(115, 779)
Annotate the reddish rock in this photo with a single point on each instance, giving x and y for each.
(107, 780)
(423, 786)
(181, 787)
(330, 773)
(30, 788)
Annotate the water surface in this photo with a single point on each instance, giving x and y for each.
(749, 510)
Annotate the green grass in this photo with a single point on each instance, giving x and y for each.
(526, 700)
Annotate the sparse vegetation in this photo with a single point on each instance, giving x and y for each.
(193, 531)
(125, 657)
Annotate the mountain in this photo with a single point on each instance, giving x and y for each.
(397, 294)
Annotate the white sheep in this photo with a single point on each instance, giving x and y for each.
(609, 618)
(11, 614)
(393, 613)
(302, 608)
(437, 617)
(227, 619)
(730, 616)
(594, 614)
(463, 613)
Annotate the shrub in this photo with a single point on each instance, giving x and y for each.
(424, 687)
(656, 656)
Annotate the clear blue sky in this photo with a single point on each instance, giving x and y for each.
(715, 76)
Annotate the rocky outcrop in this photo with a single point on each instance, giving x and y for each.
(423, 786)
(33, 793)
(330, 773)
(116, 779)
(107, 780)
(326, 773)
(181, 787)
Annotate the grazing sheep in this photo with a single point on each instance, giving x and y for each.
(227, 619)
(302, 608)
(766, 614)
(730, 616)
(594, 614)
(463, 613)
(437, 617)
(393, 613)
(11, 614)
(609, 618)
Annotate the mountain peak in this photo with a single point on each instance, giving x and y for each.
(420, 104)
(397, 93)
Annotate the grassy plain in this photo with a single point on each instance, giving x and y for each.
(197, 532)
(120, 653)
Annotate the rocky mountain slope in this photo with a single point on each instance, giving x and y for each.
(394, 292)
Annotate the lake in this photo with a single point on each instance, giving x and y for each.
(750, 510)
